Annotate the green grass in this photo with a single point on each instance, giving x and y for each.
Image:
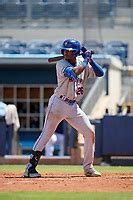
(66, 195)
(66, 168)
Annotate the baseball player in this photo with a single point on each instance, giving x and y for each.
(72, 72)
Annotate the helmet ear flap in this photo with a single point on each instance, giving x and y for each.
(62, 51)
(77, 53)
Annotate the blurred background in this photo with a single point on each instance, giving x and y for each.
(31, 31)
(95, 23)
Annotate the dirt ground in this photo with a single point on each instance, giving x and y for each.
(109, 182)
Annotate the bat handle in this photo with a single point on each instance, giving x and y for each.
(84, 50)
(86, 53)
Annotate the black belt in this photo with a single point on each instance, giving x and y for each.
(69, 101)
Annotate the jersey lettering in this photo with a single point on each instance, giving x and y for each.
(80, 89)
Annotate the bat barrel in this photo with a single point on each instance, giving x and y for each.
(55, 59)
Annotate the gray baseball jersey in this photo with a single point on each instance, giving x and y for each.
(71, 89)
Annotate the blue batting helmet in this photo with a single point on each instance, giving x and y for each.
(71, 45)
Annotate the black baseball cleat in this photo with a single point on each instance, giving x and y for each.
(92, 173)
(30, 172)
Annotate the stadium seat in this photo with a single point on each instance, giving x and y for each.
(20, 45)
(9, 50)
(117, 48)
(37, 10)
(47, 46)
(14, 10)
(94, 45)
(35, 51)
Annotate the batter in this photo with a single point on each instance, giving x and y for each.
(72, 73)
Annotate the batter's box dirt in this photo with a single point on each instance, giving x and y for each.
(109, 182)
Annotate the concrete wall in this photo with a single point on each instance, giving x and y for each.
(115, 88)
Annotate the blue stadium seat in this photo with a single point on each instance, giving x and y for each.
(15, 10)
(58, 10)
(40, 43)
(37, 10)
(35, 51)
(2, 9)
(104, 10)
(11, 44)
(117, 48)
(15, 43)
(94, 45)
(9, 50)
(47, 46)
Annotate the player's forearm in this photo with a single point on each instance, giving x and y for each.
(97, 68)
(82, 65)
(78, 70)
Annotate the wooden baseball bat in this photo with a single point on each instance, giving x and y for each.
(55, 59)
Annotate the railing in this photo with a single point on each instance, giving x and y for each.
(98, 89)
